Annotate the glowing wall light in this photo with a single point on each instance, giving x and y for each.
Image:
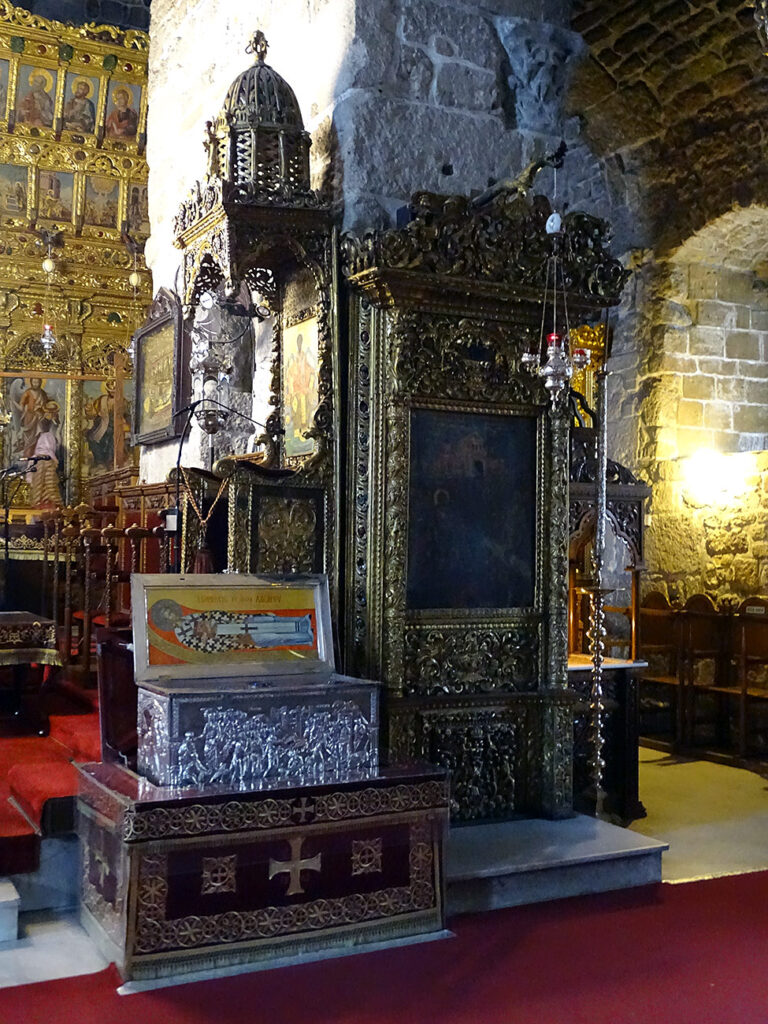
(716, 478)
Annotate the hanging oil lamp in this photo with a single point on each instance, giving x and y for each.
(554, 362)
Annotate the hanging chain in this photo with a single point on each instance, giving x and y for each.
(196, 508)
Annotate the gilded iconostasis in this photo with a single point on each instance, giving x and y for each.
(73, 219)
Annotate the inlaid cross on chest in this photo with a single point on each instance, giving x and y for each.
(294, 866)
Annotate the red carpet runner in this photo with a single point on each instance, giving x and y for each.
(683, 954)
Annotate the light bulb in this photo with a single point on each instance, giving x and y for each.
(134, 279)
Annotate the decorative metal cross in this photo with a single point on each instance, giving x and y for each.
(294, 866)
(304, 808)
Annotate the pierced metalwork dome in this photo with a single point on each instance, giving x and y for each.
(258, 143)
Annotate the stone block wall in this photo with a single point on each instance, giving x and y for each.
(673, 98)
(690, 380)
(707, 532)
(398, 95)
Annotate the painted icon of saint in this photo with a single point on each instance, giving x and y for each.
(100, 433)
(43, 480)
(31, 406)
(301, 387)
(36, 107)
(79, 111)
(123, 121)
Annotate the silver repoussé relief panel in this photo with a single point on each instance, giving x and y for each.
(237, 747)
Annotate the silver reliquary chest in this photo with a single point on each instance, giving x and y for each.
(237, 684)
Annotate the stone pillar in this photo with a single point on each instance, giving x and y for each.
(398, 95)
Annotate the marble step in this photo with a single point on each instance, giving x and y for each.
(9, 911)
(512, 863)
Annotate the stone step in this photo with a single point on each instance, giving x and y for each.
(512, 863)
(9, 911)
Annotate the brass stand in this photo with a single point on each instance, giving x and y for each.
(597, 630)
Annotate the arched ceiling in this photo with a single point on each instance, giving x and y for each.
(674, 97)
(738, 240)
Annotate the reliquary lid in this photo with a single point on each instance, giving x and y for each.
(227, 626)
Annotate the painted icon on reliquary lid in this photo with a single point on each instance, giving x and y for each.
(123, 105)
(35, 96)
(300, 386)
(101, 201)
(81, 103)
(13, 193)
(55, 196)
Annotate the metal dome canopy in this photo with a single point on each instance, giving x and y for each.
(260, 96)
(258, 143)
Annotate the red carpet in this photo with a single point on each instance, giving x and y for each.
(684, 954)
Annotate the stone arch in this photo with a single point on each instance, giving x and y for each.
(716, 334)
(692, 392)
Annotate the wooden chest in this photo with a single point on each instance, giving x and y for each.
(177, 881)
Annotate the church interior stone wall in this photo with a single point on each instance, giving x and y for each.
(663, 107)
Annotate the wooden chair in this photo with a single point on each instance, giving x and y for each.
(748, 645)
(659, 644)
(703, 668)
(69, 537)
(117, 696)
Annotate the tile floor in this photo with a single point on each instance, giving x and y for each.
(714, 817)
(52, 945)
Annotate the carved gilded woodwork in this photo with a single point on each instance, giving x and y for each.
(280, 242)
(443, 310)
(501, 242)
(72, 167)
(625, 499)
